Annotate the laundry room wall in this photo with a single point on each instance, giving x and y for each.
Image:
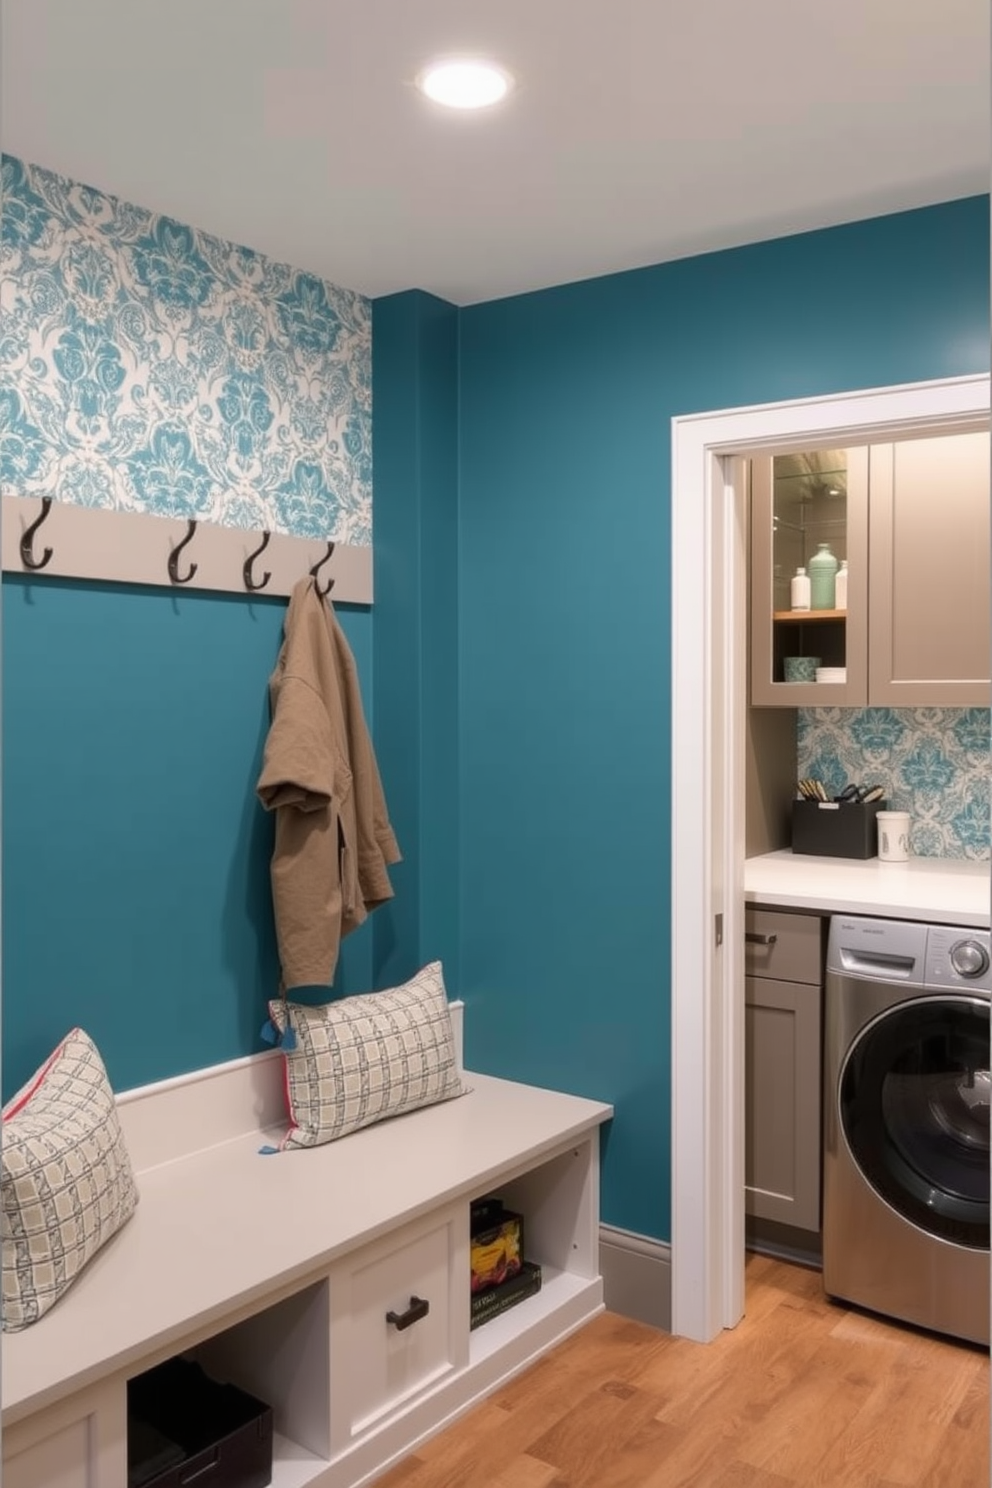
(933, 762)
(566, 398)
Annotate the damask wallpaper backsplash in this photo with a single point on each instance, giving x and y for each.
(148, 366)
(933, 762)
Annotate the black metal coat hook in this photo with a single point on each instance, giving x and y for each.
(174, 557)
(27, 539)
(316, 569)
(249, 581)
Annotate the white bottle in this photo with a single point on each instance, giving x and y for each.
(800, 590)
(840, 586)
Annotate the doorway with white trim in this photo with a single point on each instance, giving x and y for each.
(708, 711)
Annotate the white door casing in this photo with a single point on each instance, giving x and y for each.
(709, 672)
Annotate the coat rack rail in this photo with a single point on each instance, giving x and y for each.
(136, 547)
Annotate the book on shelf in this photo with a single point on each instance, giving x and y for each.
(506, 1294)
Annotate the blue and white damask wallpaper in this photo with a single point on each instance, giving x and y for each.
(933, 762)
(150, 367)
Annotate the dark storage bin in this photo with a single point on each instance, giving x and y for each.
(835, 829)
(183, 1426)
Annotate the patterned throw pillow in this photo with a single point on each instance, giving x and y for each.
(66, 1184)
(361, 1059)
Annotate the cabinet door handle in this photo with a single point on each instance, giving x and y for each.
(418, 1309)
(756, 938)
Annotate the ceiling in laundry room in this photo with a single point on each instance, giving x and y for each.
(636, 132)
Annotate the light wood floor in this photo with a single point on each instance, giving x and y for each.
(802, 1392)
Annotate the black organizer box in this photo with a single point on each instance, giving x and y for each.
(182, 1426)
(836, 829)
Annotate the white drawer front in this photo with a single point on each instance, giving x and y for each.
(80, 1442)
(378, 1365)
(61, 1461)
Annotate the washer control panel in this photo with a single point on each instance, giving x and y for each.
(958, 957)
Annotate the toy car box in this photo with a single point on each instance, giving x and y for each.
(496, 1243)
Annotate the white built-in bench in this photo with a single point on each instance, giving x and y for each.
(278, 1272)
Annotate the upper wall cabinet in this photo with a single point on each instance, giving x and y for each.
(929, 609)
(808, 509)
(911, 624)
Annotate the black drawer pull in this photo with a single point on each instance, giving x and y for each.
(418, 1309)
(756, 938)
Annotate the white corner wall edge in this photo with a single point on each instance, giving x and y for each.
(165, 1120)
(133, 548)
(709, 669)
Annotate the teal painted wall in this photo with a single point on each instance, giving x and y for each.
(566, 398)
(515, 669)
(415, 447)
(135, 855)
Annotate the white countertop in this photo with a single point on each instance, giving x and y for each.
(943, 891)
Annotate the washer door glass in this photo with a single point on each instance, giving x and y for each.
(914, 1107)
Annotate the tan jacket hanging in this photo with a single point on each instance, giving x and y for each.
(319, 775)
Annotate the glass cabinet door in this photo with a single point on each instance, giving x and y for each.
(809, 515)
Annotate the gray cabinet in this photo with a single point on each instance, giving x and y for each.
(799, 502)
(912, 519)
(783, 995)
(929, 610)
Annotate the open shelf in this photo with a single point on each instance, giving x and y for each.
(557, 1290)
(280, 1355)
(806, 617)
(292, 1465)
(558, 1202)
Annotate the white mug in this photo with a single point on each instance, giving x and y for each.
(893, 836)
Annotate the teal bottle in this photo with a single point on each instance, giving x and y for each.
(822, 569)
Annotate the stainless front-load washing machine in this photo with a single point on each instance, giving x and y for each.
(906, 1122)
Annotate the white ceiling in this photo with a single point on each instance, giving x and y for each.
(641, 130)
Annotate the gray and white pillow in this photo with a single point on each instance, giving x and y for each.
(67, 1184)
(361, 1059)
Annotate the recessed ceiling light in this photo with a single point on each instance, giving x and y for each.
(464, 84)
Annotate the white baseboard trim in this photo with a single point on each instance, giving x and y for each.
(637, 1276)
